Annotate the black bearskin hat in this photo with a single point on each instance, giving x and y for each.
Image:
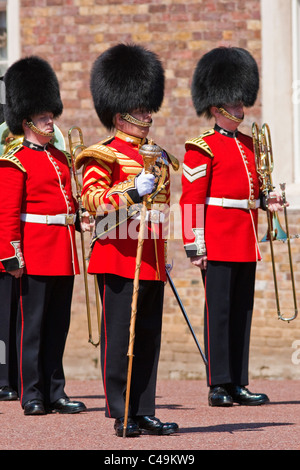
(31, 87)
(124, 78)
(222, 76)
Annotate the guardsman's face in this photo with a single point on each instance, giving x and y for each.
(44, 126)
(236, 110)
(134, 129)
(44, 121)
(142, 115)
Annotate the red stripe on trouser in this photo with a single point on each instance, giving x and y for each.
(21, 341)
(207, 335)
(105, 354)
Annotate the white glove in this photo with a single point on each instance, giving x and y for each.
(145, 183)
(87, 222)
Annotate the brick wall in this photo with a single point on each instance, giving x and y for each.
(70, 34)
(274, 343)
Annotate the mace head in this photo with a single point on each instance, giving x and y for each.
(150, 152)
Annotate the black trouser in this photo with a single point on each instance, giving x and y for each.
(8, 313)
(116, 293)
(229, 292)
(42, 328)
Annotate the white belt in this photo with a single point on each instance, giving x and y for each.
(233, 203)
(59, 219)
(152, 215)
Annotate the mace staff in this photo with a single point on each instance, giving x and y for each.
(150, 152)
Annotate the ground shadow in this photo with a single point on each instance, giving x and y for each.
(231, 428)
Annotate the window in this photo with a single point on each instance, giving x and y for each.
(3, 38)
(9, 39)
(296, 85)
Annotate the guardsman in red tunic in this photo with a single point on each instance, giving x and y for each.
(8, 309)
(37, 238)
(8, 361)
(127, 84)
(220, 201)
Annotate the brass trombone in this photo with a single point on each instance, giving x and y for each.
(76, 144)
(265, 165)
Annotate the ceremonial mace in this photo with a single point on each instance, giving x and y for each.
(150, 152)
(185, 315)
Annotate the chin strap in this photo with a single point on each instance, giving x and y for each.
(230, 116)
(127, 117)
(38, 131)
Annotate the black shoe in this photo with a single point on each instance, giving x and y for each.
(7, 394)
(152, 425)
(218, 396)
(132, 429)
(66, 406)
(243, 396)
(34, 407)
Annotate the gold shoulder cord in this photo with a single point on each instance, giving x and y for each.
(96, 151)
(68, 157)
(200, 142)
(10, 156)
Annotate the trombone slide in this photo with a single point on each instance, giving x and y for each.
(264, 165)
(76, 145)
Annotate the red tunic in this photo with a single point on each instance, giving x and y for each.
(109, 186)
(219, 166)
(37, 182)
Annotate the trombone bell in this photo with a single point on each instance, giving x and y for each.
(77, 144)
(276, 232)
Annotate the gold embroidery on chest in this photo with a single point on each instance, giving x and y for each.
(127, 164)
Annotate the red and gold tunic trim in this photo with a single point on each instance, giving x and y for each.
(109, 188)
